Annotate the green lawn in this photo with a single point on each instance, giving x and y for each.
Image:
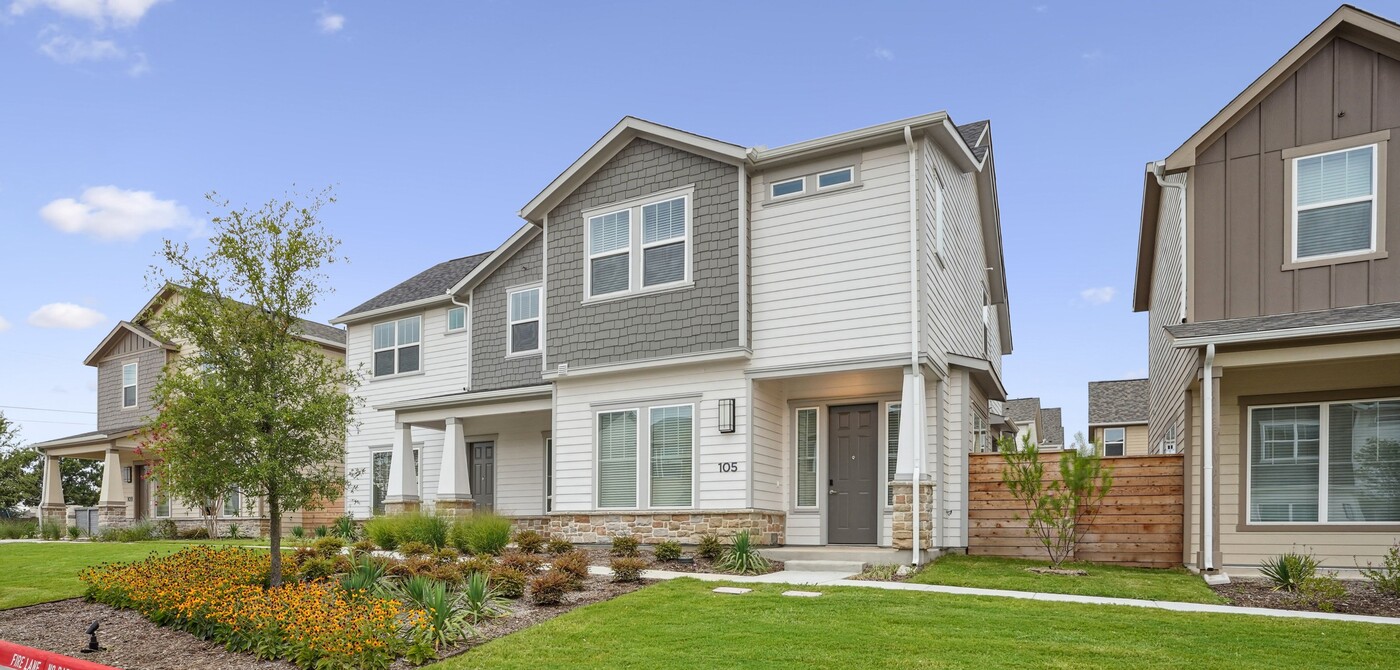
(989, 572)
(681, 624)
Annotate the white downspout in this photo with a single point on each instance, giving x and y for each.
(914, 299)
(1181, 232)
(1207, 453)
(467, 306)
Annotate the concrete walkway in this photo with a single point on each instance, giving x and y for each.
(842, 579)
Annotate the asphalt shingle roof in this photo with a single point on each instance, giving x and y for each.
(971, 133)
(1254, 324)
(434, 281)
(1118, 401)
(1052, 426)
(1022, 410)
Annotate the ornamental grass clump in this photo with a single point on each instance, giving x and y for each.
(742, 557)
(481, 533)
(559, 545)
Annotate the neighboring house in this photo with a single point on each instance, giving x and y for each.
(1052, 423)
(1040, 424)
(1265, 265)
(1118, 413)
(129, 360)
(692, 336)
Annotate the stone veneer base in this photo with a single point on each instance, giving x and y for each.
(902, 533)
(768, 528)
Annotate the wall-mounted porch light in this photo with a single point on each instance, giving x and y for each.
(726, 415)
(126, 474)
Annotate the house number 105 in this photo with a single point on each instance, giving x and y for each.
(729, 466)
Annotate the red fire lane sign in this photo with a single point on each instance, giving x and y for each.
(19, 657)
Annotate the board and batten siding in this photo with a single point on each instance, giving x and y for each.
(1343, 90)
(490, 319)
(1170, 370)
(830, 272)
(576, 399)
(444, 370)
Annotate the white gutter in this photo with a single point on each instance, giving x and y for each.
(1207, 453)
(916, 371)
(1288, 333)
(1181, 194)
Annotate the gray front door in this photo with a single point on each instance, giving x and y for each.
(853, 459)
(483, 474)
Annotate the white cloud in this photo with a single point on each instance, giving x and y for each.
(883, 54)
(4, 325)
(330, 22)
(111, 213)
(67, 49)
(101, 13)
(1098, 296)
(139, 65)
(65, 315)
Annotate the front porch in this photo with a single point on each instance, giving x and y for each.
(124, 495)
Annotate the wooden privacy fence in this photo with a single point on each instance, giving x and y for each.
(1139, 524)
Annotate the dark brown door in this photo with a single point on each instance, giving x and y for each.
(138, 481)
(853, 459)
(483, 474)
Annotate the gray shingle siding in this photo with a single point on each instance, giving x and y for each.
(110, 415)
(490, 367)
(701, 318)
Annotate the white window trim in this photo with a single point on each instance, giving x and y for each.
(799, 192)
(374, 451)
(1123, 441)
(156, 494)
(635, 247)
(845, 184)
(939, 219)
(639, 462)
(816, 460)
(396, 347)
(694, 462)
(466, 320)
(539, 320)
(1372, 198)
(1323, 464)
(238, 509)
(548, 474)
(888, 405)
(135, 386)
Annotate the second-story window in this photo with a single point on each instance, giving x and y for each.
(524, 308)
(456, 319)
(1114, 441)
(639, 246)
(1334, 204)
(663, 242)
(129, 385)
(610, 253)
(397, 346)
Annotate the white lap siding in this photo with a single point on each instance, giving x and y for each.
(577, 399)
(519, 442)
(770, 455)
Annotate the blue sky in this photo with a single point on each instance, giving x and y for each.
(435, 123)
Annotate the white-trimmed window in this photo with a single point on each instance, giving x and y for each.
(1169, 440)
(610, 253)
(788, 188)
(639, 246)
(808, 437)
(456, 319)
(129, 385)
(523, 336)
(1334, 204)
(617, 458)
(672, 455)
(939, 217)
(233, 503)
(397, 347)
(548, 474)
(1115, 441)
(379, 478)
(835, 178)
(981, 435)
(892, 417)
(665, 242)
(646, 465)
(162, 500)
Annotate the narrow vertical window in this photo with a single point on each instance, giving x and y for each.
(129, 385)
(672, 455)
(524, 308)
(617, 458)
(233, 503)
(380, 475)
(806, 457)
(162, 500)
(609, 253)
(548, 474)
(892, 414)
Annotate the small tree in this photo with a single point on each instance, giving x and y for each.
(1058, 512)
(22, 474)
(250, 404)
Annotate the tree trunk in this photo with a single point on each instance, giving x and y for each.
(274, 530)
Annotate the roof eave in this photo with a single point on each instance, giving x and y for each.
(359, 317)
(1302, 332)
(503, 253)
(1147, 240)
(124, 326)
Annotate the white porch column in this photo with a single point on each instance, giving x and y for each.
(402, 493)
(911, 422)
(454, 493)
(112, 493)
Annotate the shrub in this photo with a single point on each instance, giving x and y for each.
(328, 546)
(1289, 571)
(420, 565)
(559, 545)
(322, 531)
(529, 541)
(509, 582)
(625, 545)
(414, 549)
(397, 568)
(668, 550)
(483, 564)
(574, 564)
(74, 532)
(53, 531)
(1057, 512)
(1322, 592)
(363, 547)
(197, 533)
(137, 532)
(445, 615)
(447, 555)
(303, 554)
(426, 528)
(383, 531)
(18, 529)
(742, 557)
(481, 600)
(342, 563)
(1385, 578)
(550, 588)
(319, 567)
(167, 530)
(344, 528)
(709, 547)
(481, 533)
(447, 573)
(526, 563)
(628, 568)
(298, 532)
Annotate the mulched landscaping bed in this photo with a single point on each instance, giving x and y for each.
(601, 556)
(1361, 598)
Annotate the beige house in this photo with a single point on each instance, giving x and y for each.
(1118, 413)
(1274, 307)
(1041, 425)
(128, 361)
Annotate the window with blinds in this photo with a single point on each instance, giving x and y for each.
(663, 242)
(807, 457)
(672, 455)
(524, 316)
(610, 253)
(641, 245)
(1336, 462)
(1334, 201)
(617, 458)
(891, 448)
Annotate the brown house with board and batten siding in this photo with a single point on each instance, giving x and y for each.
(1274, 308)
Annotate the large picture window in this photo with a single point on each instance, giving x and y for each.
(1334, 204)
(397, 346)
(639, 246)
(1334, 462)
(646, 465)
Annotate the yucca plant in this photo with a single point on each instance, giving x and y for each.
(742, 557)
(345, 528)
(1289, 571)
(480, 599)
(446, 616)
(369, 576)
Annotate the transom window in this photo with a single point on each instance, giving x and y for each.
(397, 346)
(129, 385)
(456, 319)
(789, 187)
(1115, 441)
(1334, 204)
(639, 247)
(666, 447)
(524, 307)
(835, 178)
(1334, 462)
